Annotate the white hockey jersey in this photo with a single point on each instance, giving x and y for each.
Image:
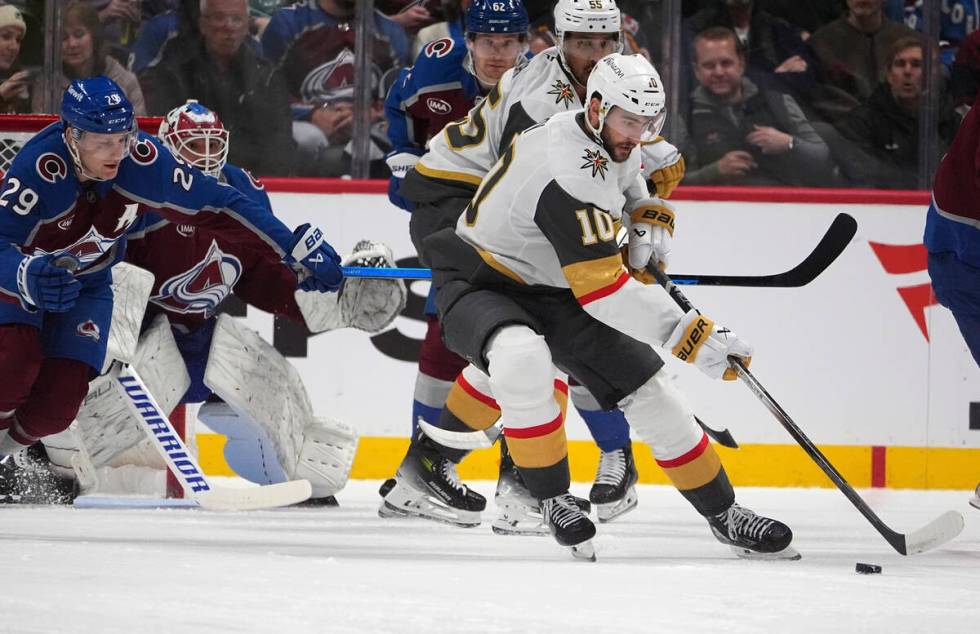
(547, 215)
(526, 95)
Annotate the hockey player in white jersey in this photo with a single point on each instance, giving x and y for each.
(531, 279)
(445, 179)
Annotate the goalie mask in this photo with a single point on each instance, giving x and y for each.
(195, 134)
(632, 84)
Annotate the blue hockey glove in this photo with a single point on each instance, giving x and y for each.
(43, 285)
(318, 258)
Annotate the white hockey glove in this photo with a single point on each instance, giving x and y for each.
(372, 304)
(650, 223)
(696, 339)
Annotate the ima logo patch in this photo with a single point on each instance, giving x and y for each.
(201, 288)
(595, 160)
(186, 230)
(439, 48)
(438, 106)
(64, 223)
(89, 328)
(562, 93)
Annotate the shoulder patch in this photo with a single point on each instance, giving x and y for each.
(562, 93)
(595, 161)
(144, 152)
(438, 106)
(439, 48)
(51, 167)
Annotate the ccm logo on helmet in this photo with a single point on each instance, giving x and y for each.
(51, 167)
(438, 106)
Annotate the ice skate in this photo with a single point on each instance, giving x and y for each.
(26, 477)
(614, 490)
(975, 501)
(753, 536)
(570, 525)
(519, 512)
(427, 486)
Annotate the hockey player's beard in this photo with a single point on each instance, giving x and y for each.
(618, 152)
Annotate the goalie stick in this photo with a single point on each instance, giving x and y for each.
(168, 443)
(935, 533)
(833, 243)
(182, 464)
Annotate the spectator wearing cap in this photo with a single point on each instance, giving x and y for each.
(214, 65)
(738, 133)
(84, 54)
(15, 82)
(886, 126)
(851, 50)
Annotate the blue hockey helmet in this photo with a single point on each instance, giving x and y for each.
(98, 105)
(496, 16)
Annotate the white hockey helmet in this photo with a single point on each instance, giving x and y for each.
(587, 16)
(191, 122)
(632, 83)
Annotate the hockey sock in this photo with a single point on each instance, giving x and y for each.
(700, 477)
(609, 428)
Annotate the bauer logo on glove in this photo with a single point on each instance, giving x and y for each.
(697, 339)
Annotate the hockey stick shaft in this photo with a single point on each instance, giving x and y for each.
(833, 243)
(897, 540)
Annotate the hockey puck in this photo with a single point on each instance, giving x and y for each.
(867, 569)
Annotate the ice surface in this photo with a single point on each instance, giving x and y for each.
(347, 570)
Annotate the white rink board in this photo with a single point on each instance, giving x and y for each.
(843, 355)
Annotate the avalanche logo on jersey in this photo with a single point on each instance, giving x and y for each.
(595, 160)
(332, 79)
(89, 248)
(203, 287)
(89, 329)
(562, 92)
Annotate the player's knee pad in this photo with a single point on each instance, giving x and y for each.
(662, 417)
(521, 372)
(57, 394)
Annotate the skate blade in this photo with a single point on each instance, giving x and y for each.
(504, 526)
(609, 512)
(404, 501)
(584, 551)
(787, 554)
(975, 502)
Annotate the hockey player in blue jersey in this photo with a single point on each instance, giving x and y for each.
(68, 200)
(449, 76)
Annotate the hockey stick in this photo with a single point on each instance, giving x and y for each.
(837, 237)
(721, 436)
(935, 533)
(182, 464)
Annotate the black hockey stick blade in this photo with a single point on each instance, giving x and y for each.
(833, 243)
(935, 533)
(721, 436)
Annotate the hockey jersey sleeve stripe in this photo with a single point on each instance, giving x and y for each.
(594, 279)
(447, 175)
(493, 263)
(697, 471)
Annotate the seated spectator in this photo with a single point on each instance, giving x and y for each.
(15, 82)
(740, 134)
(84, 53)
(311, 43)
(120, 25)
(411, 15)
(159, 30)
(261, 11)
(809, 15)
(216, 67)
(886, 126)
(850, 49)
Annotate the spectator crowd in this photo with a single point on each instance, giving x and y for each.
(824, 93)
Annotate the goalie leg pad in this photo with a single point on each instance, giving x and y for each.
(249, 450)
(327, 455)
(161, 365)
(131, 287)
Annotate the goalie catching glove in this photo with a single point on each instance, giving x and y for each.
(696, 339)
(650, 225)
